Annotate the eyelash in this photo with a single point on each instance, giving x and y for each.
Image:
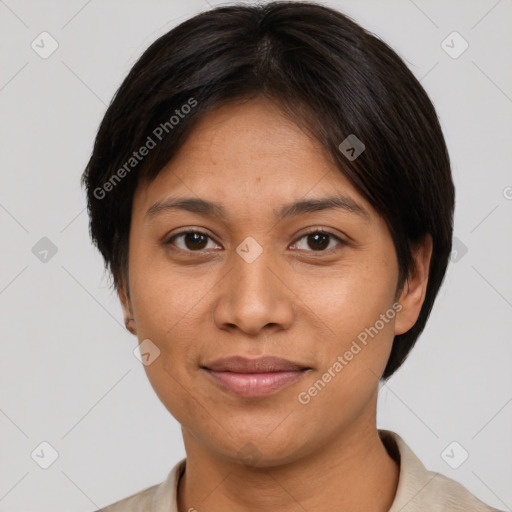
(311, 231)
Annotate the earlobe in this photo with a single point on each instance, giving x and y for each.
(415, 287)
(129, 323)
(129, 320)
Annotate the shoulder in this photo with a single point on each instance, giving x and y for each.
(420, 490)
(449, 495)
(140, 502)
(157, 498)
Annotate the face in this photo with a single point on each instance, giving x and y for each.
(252, 277)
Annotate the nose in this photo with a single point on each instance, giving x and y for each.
(253, 296)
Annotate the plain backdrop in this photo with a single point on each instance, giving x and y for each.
(68, 376)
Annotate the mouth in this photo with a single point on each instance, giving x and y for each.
(254, 377)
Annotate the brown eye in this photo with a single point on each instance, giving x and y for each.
(191, 241)
(318, 241)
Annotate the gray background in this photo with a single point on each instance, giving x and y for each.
(68, 375)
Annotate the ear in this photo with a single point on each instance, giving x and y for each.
(123, 293)
(415, 287)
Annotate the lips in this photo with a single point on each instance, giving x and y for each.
(240, 364)
(254, 377)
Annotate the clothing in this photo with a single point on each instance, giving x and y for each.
(419, 490)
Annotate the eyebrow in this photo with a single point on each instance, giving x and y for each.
(213, 209)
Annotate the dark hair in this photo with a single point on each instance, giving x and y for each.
(330, 75)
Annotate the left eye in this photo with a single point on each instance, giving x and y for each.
(193, 241)
(319, 240)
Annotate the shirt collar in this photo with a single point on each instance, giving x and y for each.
(413, 477)
(416, 485)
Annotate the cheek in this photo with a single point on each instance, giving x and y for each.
(352, 299)
(172, 386)
(167, 309)
(165, 300)
(358, 308)
(353, 359)
(164, 311)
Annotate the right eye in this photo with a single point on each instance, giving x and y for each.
(191, 240)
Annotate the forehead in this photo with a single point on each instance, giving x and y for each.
(250, 153)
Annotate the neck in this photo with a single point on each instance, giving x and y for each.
(351, 472)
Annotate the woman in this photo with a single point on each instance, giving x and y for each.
(271, 191)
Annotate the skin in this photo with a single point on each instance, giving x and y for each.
(294, 301)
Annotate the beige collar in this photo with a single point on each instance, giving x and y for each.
(418, 489)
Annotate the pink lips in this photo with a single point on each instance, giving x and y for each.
(254, 377)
